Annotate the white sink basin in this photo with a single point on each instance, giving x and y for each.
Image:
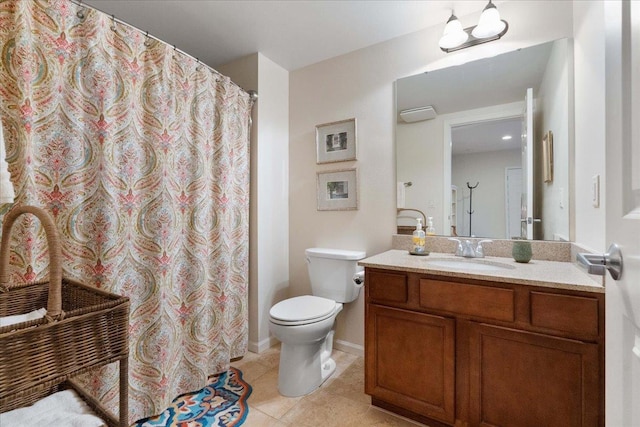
(469, 264)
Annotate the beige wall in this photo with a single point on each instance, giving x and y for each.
(487, 168)
(269, 215)
(553, 104)
(360, 85)
(589, 122)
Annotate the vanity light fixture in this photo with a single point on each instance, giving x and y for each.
(489, 28)
(453, 35)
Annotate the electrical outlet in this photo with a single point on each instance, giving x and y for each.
(595, 191)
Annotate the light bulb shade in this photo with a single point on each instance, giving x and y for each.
(453, 35)
(490, 24)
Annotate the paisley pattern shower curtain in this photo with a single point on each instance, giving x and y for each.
(141, 156)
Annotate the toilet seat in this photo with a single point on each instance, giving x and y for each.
(302, 310)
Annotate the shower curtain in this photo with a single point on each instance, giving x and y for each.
(141, 155)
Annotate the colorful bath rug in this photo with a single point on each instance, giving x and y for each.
(222, 403)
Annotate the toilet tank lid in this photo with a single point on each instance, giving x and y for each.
(335, 253)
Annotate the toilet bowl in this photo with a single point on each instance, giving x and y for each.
(304, 324)
(305, 344)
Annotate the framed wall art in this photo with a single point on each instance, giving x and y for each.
(336, 141)
(337, 190)
(547, 156)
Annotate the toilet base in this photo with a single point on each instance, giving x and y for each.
(304, 367)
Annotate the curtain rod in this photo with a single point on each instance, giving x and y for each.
(253, 95)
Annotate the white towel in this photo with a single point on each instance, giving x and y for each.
(400, 195)
(62, 409)
(19, 318)
(7, 194)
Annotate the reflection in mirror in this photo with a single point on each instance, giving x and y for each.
(465, 162)
(495, 168)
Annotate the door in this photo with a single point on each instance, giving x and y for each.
(555, 379)
(513, 192)
(412, 361)
(526, 201)
(622, 55)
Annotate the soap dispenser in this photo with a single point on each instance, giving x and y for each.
(431, 231)
(419, 239)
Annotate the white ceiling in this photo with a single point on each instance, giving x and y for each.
(293, 33)
(486, 136)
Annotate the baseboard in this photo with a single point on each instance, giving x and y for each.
(348, 347)
(265, 344)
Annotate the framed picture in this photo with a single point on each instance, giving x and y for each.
(336, 142)
(547, 156)
(337, 190)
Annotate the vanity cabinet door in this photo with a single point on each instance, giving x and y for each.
(410, 361)
(524, 379)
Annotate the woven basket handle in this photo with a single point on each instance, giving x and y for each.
(54, 304)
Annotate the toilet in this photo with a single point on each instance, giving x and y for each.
(304, 324)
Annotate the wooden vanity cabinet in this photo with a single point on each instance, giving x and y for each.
(448, 351)
(521, 378)
(421, 379)
(409, 355)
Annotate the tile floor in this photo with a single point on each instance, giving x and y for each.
(339, 402)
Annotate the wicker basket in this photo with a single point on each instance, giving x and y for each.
(84, 328)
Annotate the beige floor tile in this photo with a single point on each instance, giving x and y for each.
(323, 409)
(339, 402)
(375, 417)
(343, 361)
(350, 384)
(266, 398)
(249, 356)
(271, 357)
(252, 369)
(257, 418)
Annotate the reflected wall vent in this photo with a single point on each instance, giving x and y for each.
(418, 114)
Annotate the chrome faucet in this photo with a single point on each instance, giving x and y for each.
(459, 249)
(466, 249)
(479, 249)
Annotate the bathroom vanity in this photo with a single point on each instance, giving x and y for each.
(496, 344)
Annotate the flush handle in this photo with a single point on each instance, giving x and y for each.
(358, 279)
(599, 264)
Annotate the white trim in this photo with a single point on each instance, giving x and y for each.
(348, 347)
(507, 211)
(265, 344)
(530, 130)
(345, 346)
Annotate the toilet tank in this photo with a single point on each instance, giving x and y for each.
(331, 273)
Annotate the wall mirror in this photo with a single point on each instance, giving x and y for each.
(485, 148)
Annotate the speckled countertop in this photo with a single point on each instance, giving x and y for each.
(553, 274)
